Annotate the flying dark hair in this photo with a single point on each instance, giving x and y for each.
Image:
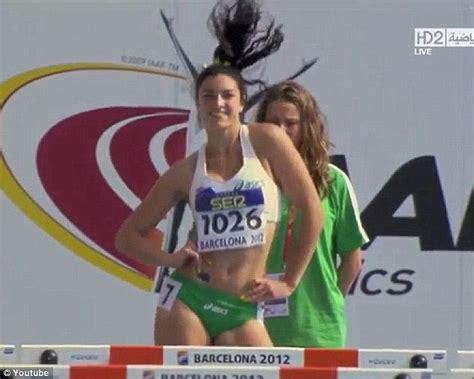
(244, 36)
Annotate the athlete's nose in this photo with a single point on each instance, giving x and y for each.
(220, 100)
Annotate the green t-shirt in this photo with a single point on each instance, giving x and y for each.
(316, 307)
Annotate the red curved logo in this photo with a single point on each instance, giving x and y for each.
(69, 169)
(71, 176)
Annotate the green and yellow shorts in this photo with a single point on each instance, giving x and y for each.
(219, 311)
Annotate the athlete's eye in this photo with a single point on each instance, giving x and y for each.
(228, 95)
(291, 123)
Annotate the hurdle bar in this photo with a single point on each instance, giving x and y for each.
(239, 356)
(202, 372)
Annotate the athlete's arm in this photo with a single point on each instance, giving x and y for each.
(290, 172)
(348, 269)
(131, 236)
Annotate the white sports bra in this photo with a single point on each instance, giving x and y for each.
(232, 214)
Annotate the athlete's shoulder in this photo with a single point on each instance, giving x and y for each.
(184, 165)
(180, 175)
(265, 130)
(267, 137)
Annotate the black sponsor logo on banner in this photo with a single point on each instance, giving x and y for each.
(379, 281)
(418, 178)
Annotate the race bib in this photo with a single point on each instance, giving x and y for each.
(276, 307)
(169, 292)
(230, 220)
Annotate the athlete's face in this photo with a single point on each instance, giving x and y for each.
(287, 116)
(219, 101)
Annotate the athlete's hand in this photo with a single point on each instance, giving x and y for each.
(267, 289)
(185, 256)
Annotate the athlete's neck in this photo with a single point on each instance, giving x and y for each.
(223, 143)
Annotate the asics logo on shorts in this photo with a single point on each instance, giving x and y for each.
(214, 308)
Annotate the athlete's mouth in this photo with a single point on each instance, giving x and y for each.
(218, 114)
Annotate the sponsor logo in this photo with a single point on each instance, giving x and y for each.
(216, 309)
(380, 281)
(228, 202)
(383, 362)
(85, 357)
(183, 358)
(418, 180)
(147, 374)
(248, 184)
(91, 186)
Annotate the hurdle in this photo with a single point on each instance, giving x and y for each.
(8, 354)
(435, 360)
(465, 359)
(461, 373)
(64, 354)
(209, 372)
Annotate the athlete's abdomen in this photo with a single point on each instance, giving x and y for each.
(233, 270)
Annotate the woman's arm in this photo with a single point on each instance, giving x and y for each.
(131, 236)
(348, 270)
(290, 172)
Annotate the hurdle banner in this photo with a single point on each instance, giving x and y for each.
(231, 372)
(8, 354)
(378, 358)
(66, 354)
(304, 357)
(465, 359)
(222, 372)
(461, 373)
(228, 356)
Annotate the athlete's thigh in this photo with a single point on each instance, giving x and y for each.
(179, 326)
(251, 333)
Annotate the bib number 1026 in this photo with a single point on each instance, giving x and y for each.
(220, 222)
